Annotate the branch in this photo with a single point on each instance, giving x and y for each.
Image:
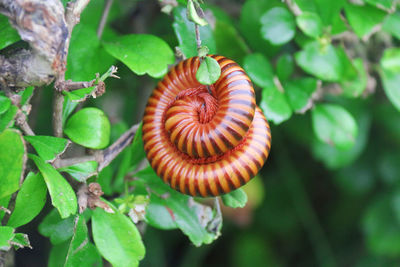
(103, 157)
(104, 17)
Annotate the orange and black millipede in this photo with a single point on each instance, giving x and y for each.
(205, 141)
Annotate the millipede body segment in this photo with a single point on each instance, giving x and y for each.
(205, 141)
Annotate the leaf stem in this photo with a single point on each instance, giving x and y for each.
(104, 17)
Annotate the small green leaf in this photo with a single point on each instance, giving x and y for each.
(284, 67)
(20, 241)
(278, 26)
(310, 24)
(6, 236)
(355, 87)
(117, 238)
(5, 104)
(26, 94)
(81, 171)
(4, 204)
(57, 229)
(299, 93)
(159, 215)
(322, 62)
(58, 254)
(185, 32)
(7, 118)
(381, 3)
(391, 60)
(142, 53)
(334, 125)
(250, 26)
(391, 24)
(30, 200)
(48, 147)
(62, 195)
(193, 15)
(208, 72)
(191, 218)
(81, 251)
(274, 105)
(79, 95)
(68, 107)
(8, 34)
(89, 127)
(363, 18)
(390, 75)
(235, 199)
(259, 69)
(12, 157)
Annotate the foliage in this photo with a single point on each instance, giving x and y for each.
(326, 75)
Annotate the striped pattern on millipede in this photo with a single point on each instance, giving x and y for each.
(205, 144)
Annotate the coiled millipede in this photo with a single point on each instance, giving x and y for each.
(205, 141)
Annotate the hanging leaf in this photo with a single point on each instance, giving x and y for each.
(48, 147)
(235, 199)
(62, 195)
(208, 72)
(89, 127)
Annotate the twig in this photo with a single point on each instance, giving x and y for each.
(73, 13)
(21, 121)
(103, 157)
(198, 39)
(294, 8)
(104, 17)
(58, 103)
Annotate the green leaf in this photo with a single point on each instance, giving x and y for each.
(26, 94)
(387, 4)
(20, 241)
(299, 93)
(391, 24)
(85, 47)
(68, 108)
(363, 18)
(284, 67)
(275, 105)
(335, 158)
(391, 82)
(7, 118)
(79, 95)
(322, 62)
(62, 195)
(310, 24)
(57, 229)
(48, 147)
(355, 87)
(334, 125)
(185, 32)
(235, 199)
(8, 34)
(391, 60)
(278, 26)
(58, 254)
(81, 171)
(208, 72)
(193, 15)
(4, 204)
(390, 75)
(381, 227)
(6, 236)
(105, 178)
(159, 215)
(192, 218)
(328, 10)
(250, 26)
(142, 53)
(12, 158)
(89, 127)
(30, 200)
(259, 69)
(117, 238)
(5, 104)
(81, 251)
